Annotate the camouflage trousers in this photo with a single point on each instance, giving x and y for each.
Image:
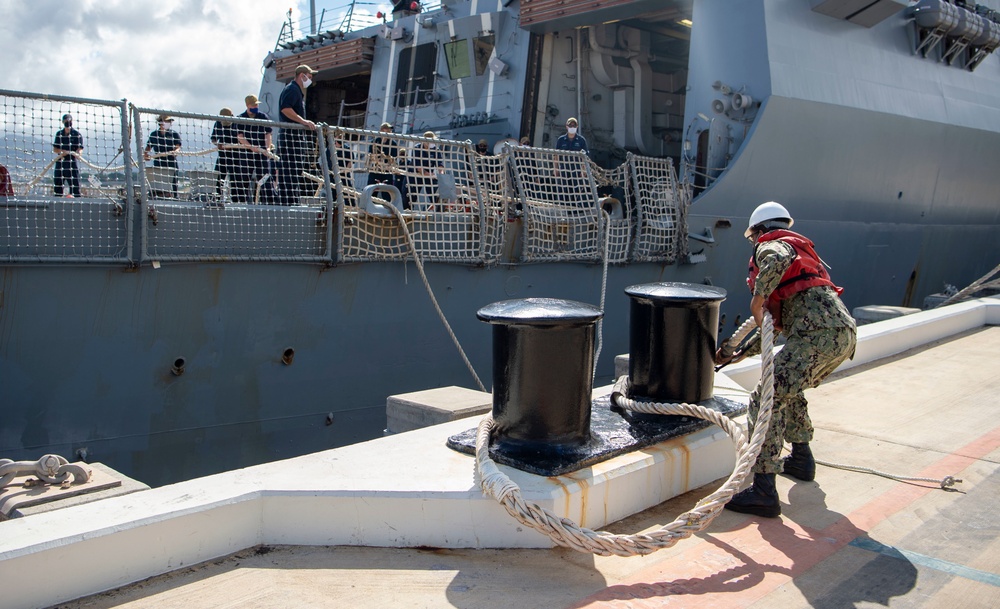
(806, 359)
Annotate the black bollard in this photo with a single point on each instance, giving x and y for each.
(673, 329)
(543, 358)
(543, 361)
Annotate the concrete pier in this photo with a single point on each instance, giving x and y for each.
(919, 399)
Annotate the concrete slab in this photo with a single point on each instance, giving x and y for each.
(873, 313)
(409, 411)
(405, 490)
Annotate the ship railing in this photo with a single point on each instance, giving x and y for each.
(452, 213)
(208, 196)
(64, 206)
(143, 200)
(560, 210)
(575, 210)
(353, 115)
(661, 210)
(339, 18)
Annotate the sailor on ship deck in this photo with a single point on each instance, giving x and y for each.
(67, 140)
(294, 144)
(259, 170)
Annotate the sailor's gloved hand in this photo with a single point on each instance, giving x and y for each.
(723, 356)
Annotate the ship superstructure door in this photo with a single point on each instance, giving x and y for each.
(619, 68)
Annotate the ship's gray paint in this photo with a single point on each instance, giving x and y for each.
(95, 374)
(887, 159)
(883, 196)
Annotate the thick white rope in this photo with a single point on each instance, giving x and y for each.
(604, 292)
(270, 154)
(430, 292)
(64, 153)
(972, 287)
(738, 337)
(565, 532)
(741, 333)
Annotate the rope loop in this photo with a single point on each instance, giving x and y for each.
(565, 532)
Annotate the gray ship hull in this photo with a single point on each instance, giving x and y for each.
(886, 157)
(912, 209)
(93, 377)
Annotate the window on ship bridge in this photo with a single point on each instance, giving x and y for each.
(484, 49)
(457, 54)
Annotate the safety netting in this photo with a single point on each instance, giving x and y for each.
(232, 186)
(661, 208)
(62, 179)
(128, 184)
(559, 202)
(451, 214)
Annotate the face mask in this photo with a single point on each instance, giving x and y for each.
(252, 110)
(67, 123)
(307, 82)
(571, 130)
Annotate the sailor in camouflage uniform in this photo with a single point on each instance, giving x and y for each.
(788, 277)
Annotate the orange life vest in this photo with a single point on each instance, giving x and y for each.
(806, 271)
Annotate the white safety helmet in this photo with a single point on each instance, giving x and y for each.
(768, 211)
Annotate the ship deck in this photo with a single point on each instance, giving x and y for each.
(845, 540)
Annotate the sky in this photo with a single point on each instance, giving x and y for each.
(183, 55)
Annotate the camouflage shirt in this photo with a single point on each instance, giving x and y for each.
(811, 309)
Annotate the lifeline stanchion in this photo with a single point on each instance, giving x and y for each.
(567, 533)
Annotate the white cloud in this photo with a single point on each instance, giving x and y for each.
(180, 55)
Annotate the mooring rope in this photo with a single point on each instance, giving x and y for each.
(565, 532)
(206, 151)
(744, 330)
(604, 292)
(975, 286)
(430, 292)
(41, 174)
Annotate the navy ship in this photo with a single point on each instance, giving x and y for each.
(168, 316)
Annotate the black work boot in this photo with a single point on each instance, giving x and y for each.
(800, 464)
(760, 499)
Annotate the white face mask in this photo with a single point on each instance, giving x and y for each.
(308, 81)
(571, 130)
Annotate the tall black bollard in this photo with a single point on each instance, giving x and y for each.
(673, 329)
(543, 361)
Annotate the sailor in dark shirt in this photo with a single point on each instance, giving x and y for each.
(294, 145)
(230, 162)
(571, 182)
(67, 140)
(259, 166)
(572, 140)
(163, 140)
